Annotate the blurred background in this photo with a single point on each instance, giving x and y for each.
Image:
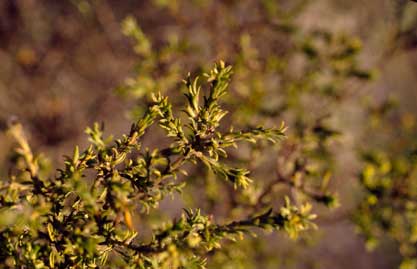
(331, 69)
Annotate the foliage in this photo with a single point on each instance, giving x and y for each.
(388, 177)
(82, 218)
(107, 206)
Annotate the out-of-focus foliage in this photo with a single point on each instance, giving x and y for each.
(389, 178)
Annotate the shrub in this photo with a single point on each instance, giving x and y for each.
(82, 218)
(107, 206)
